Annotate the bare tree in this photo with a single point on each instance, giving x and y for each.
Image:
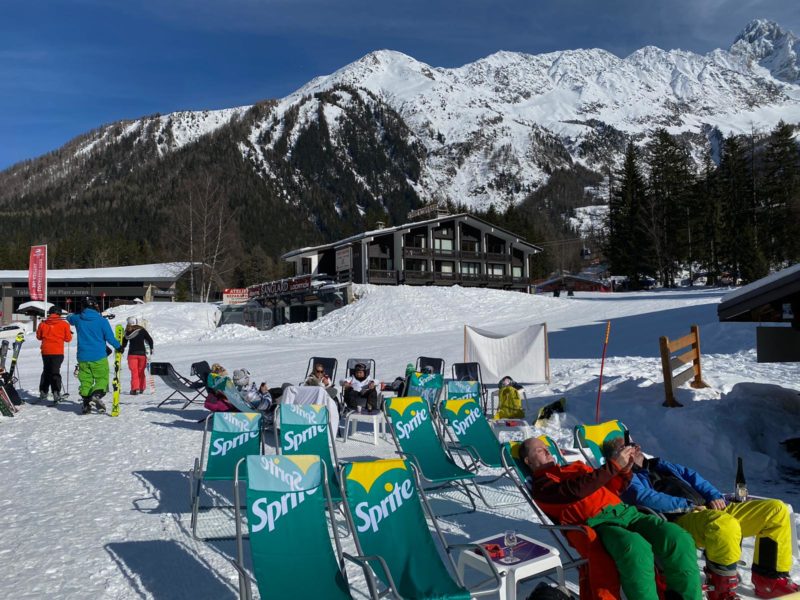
(203, 213)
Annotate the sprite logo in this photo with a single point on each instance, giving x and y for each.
(404, 430)
(368, 517)
(222, 447)
(293, 441)
(306, 415)
(462, 426)
(266, 512)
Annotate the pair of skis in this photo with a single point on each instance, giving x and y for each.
(119, 332)
(7, 407)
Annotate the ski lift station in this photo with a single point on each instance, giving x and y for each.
(65, 287)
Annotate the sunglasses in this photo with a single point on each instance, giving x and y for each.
(319, 371)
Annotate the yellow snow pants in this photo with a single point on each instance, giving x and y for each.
(720, 532)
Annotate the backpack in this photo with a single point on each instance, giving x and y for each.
(510, 404)
(545, 592)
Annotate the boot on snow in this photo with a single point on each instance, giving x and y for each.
(87, 406)
(721, 582)
(101, 408)
(773, 587)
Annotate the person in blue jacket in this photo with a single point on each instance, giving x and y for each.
(685, 498)
(94, 334)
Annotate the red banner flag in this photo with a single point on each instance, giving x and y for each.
(37, 273)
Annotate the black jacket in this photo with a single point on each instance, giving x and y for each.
(135, 341)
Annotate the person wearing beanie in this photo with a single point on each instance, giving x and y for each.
(94, 337)
(52, 332)
(137, 340)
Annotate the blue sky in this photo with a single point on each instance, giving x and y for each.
(68, 66)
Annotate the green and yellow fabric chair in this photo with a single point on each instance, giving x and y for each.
(306, 429)
(232, 437)
(289, 540)
(387, 509)
(589, 439)
(463, 415)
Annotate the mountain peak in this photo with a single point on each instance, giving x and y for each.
(774, 48)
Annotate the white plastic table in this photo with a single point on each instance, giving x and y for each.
(535, 557)
(375, 417)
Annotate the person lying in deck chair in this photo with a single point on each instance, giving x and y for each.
(576, 494)
(690, 501)
(360, 390)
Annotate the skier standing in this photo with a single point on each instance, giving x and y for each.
(94, 332)
(135, 339)
(52, 332)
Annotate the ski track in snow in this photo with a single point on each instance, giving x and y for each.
(97, 507)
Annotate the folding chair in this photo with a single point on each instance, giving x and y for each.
(574, 541)
(416, 439)
(330, 365)
(426, 386)
(367, 362)
(306, 429)
(471, 371)
(387, 511)
(290, 544)
(233, 436)
(188, 390)
(589, 439)
(436, 364)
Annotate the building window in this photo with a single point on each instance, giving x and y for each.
(380, 263)
(470, 246)
(417, 241)
(516, 271)
(305, 267)
(495, 269)
(442, 244)
(416, 265)
(470, 268)
(444, 266)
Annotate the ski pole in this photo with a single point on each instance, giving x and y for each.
(62, 381)
(602, 364)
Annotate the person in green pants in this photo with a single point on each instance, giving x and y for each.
(94, 334)
(576, 494)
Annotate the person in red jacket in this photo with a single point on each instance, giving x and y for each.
(576, 494)
(52, 332)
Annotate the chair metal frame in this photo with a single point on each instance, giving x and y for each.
(437, 364)
(180, 385)
(468, 377)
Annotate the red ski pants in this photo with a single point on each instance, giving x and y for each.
(137, 364)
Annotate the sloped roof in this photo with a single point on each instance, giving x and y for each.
(754, 301)
(157, 272)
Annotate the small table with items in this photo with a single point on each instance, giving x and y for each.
(511, 430)
(375, 417)
(535, 558)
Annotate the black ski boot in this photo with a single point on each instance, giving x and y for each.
(101, 408)
(56, 398)
(87, 406)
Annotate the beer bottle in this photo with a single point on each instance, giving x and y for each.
(740, 486)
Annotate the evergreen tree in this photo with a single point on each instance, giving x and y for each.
(781, 198)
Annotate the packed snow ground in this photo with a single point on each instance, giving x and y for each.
(97, 507)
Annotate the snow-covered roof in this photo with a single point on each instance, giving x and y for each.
(778, 286)
(158, 272)
(385, 230)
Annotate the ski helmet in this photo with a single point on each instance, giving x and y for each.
(53, 310)
(90, 302)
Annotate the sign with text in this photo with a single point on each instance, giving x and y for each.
(280, 287)
(344, 259)
(37, 273)
(234, 295)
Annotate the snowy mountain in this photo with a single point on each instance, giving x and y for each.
(388, 132)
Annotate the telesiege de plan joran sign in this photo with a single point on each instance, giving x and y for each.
(280, 287)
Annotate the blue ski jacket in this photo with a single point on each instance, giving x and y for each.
(94, 332)
(640, 492)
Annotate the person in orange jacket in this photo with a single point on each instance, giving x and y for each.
(52, 332)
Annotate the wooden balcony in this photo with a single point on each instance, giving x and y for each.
(446, 277)
(498, 257)
(417, 277)
(381, 276)
(413, 252)
(469, 255)
(451, 254)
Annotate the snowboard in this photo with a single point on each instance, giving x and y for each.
(119, 332)
(15, 348)
(3, 353)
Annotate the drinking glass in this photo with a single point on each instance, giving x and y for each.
(510, 541)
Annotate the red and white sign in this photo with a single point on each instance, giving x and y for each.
(234, 295)
(37, 273)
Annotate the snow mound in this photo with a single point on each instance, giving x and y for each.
(170, 321)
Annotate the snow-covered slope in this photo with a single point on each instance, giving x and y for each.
(98, 507)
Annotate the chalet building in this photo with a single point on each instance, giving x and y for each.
(443, 250)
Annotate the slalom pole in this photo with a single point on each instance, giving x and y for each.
(602, 364)
(62, 381)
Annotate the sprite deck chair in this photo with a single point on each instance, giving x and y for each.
(589, 439)
(570, 534)
(416, 439)
(427, 386)
(306, 429)
(233, 436)
(290, 544)
(387, 511)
